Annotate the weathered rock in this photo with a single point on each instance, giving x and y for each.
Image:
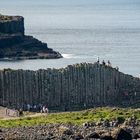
(137, 136)
(123, 135)
(93, 135)
(106, 138)
(68, 132)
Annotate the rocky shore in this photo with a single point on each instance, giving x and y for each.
(88, 131)
(15, 45)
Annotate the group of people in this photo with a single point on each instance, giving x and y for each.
(36, 108)
(106, 64)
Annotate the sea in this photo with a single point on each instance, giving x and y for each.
(81, 30)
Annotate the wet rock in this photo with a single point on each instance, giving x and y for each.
(123, 135)
(106, 138)
(93, 135)
(137, 136)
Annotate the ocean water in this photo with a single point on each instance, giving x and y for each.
(81, 30)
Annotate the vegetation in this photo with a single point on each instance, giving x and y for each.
(74, 117)
(5, 18)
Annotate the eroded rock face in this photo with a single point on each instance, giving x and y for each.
(15, 45)
(11, 24)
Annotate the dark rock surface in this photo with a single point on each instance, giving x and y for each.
(14, 45)
(57, 132)
(11, 24)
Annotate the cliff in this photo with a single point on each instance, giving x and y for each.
(14, 44)
(11, 24)
(71, 88)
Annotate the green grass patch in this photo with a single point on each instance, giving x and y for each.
(77, 118)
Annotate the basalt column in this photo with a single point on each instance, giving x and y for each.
(74, 87)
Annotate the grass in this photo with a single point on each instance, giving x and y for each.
(77, 118)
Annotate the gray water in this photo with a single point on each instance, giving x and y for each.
(82, 30)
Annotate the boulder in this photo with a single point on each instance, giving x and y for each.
(122, 135)
(93, 135)
(65, 130)
(137, 136)
(106, 138)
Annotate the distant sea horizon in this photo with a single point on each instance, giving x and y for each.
(81, 30)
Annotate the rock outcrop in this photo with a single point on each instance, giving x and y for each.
(72, 88)
(73, 132)
(11, 24)
(14, 44)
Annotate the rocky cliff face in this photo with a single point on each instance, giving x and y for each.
(15, 45)
(11, 24)
(72, 88)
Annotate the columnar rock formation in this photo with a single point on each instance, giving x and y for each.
(74, 87)
(15, 45)
(11, 24)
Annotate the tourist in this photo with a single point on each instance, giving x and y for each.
(44, 109)
(103, 62)
(98, 60)
(20, 112)
(28, 107)
(109, 64)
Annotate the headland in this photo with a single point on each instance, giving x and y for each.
(15, 45)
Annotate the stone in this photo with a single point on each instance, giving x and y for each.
(93, 135)
(106, 138)
(137, 136)
(68, 132)
(78, 137)
(123, 135)
(65, 130)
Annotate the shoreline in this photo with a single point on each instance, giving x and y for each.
(45, 56)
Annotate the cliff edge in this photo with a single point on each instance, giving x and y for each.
(15, 45)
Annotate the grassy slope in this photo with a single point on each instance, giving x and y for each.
(73, 117)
